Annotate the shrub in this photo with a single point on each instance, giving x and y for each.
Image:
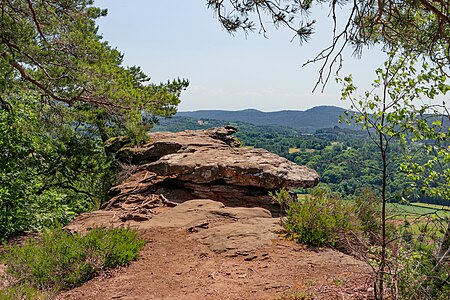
(112, 249)
(282, 198)
(412, 274)
(368, 211)
(60, 260)
(318, 220)
(22, 292)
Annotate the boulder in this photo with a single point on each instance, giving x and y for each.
(163, 143)
(207, 164)
(234, 167)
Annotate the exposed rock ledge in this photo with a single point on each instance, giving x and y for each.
(229, 231)
(203, 249)
(203, 164)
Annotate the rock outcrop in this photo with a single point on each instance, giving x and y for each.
(205, 249)
(203, 164)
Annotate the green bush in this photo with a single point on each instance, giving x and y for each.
(282, 198)
(114, 249)
(319, 219)
(22, 292)
(368, 211)
(60, 260)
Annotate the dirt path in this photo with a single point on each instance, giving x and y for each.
(182, 261)
(175, 267)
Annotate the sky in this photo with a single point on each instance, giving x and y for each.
(179, 38)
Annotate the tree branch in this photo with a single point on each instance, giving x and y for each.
(436, 11)
(36, 22)
(78, 98)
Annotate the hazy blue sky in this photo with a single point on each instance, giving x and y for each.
(180, 38)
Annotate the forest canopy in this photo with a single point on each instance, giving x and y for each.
(52, 49)
(63, 92)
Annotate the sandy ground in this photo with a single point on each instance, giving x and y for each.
(237, 255)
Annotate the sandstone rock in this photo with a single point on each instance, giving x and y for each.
(149, 152)
(206, 164)
(240, 238)
(228, 230)
(231, 231)
(134, 217)
(163, 143)
(235, 167)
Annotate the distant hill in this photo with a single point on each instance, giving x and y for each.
(314, 118)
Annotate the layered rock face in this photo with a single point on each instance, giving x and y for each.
(203, 164)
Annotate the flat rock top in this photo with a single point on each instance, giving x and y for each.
(229, 230)
(205, 156)
(213, 137)
(236, 166)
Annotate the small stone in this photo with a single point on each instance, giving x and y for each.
(134, 217)
(250, 257)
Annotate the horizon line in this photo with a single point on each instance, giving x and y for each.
(244, 109)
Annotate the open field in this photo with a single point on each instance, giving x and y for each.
(420, 218)
(406, 209)
(418, 209)
(293, 150)
(415, 212)
(432, 206)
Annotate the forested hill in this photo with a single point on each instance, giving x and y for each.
(314, 118)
